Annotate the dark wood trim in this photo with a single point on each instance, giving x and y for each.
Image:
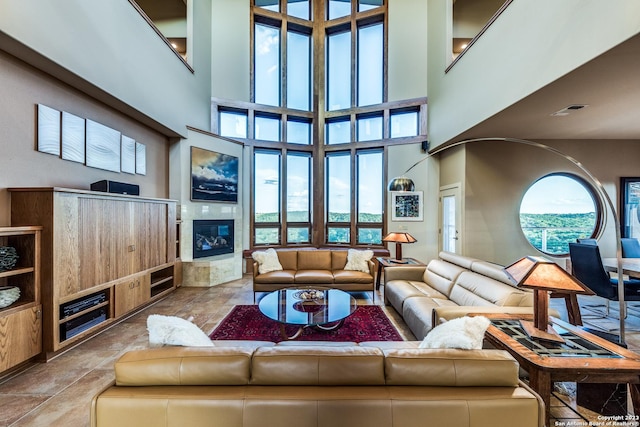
(482, 31)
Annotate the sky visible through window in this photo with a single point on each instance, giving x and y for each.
(555, 211)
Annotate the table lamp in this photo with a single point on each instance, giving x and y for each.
(543, 276)
(399, 239)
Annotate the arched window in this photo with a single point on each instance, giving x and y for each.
(558, 209)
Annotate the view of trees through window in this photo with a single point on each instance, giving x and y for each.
(556, 210)
(317, 176)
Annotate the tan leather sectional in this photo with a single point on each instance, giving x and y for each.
(313, 267)
(316, 385)
(449, 287)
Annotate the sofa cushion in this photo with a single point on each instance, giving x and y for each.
(478, 290)
(288, 259)
(452, 367)
(314, 277)
(338, 259)
(441, 275)
(285, 277)
(492, 270)
(185, 366)
(459, 260)
(358, 260)
(348, 276)
(314, 260)
(399, 291)
(417, 313)
(267, 260)
(317, 365)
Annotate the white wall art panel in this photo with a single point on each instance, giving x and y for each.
(48, 130)
(103, 147)
(72, 137)
(128, 155)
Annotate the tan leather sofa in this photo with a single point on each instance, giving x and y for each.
(314, 267)
(449, 287)
(316, 385)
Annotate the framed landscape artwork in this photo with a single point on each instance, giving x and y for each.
(406, 206)
(214, 176)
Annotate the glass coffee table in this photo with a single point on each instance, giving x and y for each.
(321, 308)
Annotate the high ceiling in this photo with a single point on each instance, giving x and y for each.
(608, 84)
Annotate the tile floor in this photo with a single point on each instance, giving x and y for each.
(59, 392)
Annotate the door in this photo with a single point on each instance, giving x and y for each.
(450, 219)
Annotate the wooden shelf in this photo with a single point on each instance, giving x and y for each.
(17, 271)
(117, 244)
(21, 322)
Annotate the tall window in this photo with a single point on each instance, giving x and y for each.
(319, 121)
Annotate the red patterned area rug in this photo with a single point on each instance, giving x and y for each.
(245, 322)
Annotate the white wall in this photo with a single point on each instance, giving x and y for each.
(407, 49)
(523, 50)
(230, 56)
(107, 47)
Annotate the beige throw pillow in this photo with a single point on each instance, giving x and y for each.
(358, 260)
(267, 260)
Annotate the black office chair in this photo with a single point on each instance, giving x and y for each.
(630, 247)
(588, 268)
(593, 242)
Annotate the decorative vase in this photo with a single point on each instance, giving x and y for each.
(8, 295)
(8, 258)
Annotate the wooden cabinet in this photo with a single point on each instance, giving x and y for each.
(131, 293)
(21, 322)
(100, 251)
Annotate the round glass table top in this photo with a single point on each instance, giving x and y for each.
(307, 306)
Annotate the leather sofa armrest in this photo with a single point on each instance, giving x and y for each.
(442, 314)
(255, 269)
(372, 268)
(413, 273)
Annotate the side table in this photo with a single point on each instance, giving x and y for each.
(584, 357)
(392, 262)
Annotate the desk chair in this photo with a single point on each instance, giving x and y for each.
(588, 268)
(592, 242)
(630, 247)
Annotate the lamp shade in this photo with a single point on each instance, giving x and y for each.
(401, 184)
(399, 238)
(540, 273)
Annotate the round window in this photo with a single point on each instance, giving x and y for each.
(558, 209)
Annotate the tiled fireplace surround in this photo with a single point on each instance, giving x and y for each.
(213, 270)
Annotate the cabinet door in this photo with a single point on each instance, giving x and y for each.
(150, 230)
(20, 337)
(104, 240)
(131, 293)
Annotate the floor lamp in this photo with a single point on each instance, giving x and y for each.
(403, 183)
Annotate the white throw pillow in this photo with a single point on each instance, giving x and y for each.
(358, 260)
(173, 330)
(465, 332)
(267, 260)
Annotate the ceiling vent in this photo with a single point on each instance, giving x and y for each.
(569, 109)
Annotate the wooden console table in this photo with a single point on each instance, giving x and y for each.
(584, 358)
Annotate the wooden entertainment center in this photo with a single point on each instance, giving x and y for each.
(104, 256)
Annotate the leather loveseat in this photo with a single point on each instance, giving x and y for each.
(452, 286)
(316, 385)
(314, 267)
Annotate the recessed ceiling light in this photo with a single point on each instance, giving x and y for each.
(464, 46)
(569, 109)
(175, 46)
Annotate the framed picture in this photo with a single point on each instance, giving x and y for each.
(214, 176)
(630, 207)
(406, 206)
(103, 147)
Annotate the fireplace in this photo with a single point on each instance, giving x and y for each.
(212, 237)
